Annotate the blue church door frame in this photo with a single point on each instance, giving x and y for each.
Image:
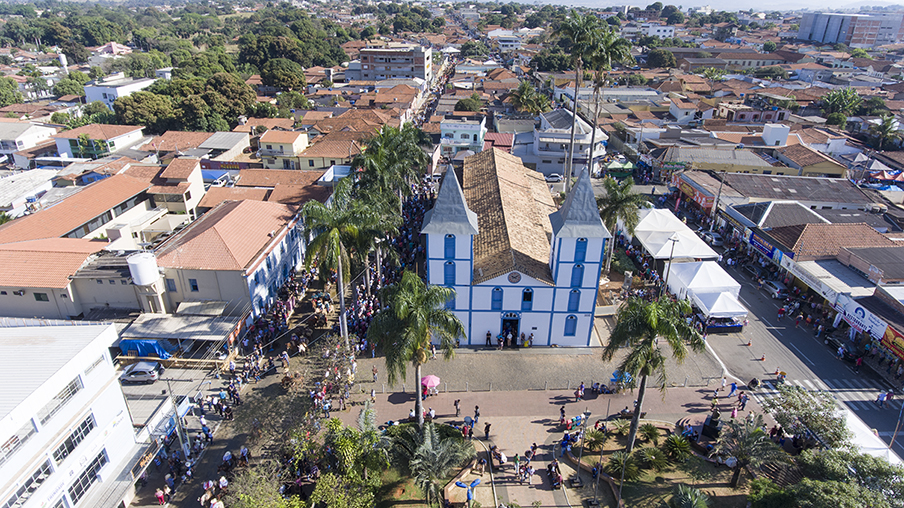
(511, 321)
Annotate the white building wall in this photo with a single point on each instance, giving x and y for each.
(59, 304)
(100, 396)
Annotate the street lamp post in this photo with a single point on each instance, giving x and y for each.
(180, 430)
(674, 239)
(716, 204)
(583, 436)
(897, 427)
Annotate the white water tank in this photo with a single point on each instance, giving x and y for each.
(143, 268)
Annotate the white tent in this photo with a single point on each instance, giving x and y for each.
(719, 305)
(658, 219)
(689, 245)
(687, 279)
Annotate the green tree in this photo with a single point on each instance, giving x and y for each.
(415, 314)
(75, 52)
(841, 100)
(68, 87)
(335, 491)
(771, 72)
(873, 473)
(640, 325)
(749, 444)
(430, 457)
(5, 217)
(527, 99)
(661, 58)
(713, 74)
(9, 92)
(769, 46)
(799, 410)
(886, 130)
(283, 74)
(838, 119)
(472, 103)
(154, 111)
(258, 487)
(688, 497)
(676, 19)
(610, 49)
(79, 77)
(860, 53)
(474, 48)
(818, 494)
(582, 32)
(620, 203)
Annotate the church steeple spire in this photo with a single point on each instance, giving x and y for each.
(579, 216)
(450, 213)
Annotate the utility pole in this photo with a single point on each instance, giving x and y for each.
(716, 204)
(180, 430)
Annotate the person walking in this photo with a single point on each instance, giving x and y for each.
(457, 405)
(375, 373)
(724, 382)
(486, 431)
(857, 364)
(880, 399)
(476, 414)
(160, 497)
(734, 388)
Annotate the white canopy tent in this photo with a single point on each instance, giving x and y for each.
(658, 219)
(689, 245)
(719, 305)
(687, 279)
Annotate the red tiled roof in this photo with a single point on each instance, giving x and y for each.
(273, 177)
(287, 137)
(44, 263)
(99, 131)
(216, 195)
(299, 194)
(181, 169)
(824, 241)
(171, 141)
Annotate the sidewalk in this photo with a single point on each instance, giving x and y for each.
(520, 418)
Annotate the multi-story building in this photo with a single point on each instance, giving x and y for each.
(457, 134)
(854, 30)
(551, 144)
(280, 149)
(16, 136)
(67, 433)
(96, 140)
(397, 61)
(114, 87)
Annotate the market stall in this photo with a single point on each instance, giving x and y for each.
(720, 312)
(688, 279)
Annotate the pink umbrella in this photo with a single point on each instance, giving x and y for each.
(430, 381)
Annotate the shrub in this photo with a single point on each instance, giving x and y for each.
(622, 427)
(677, 447)
(595, 439)
(617, 461)
(649, 433)
(652, 458)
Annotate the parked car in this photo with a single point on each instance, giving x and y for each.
(753, 271)
(553, 178)
(713, 238)
(776, 289)
(141, 372)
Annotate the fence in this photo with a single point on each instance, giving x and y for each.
(541, 385)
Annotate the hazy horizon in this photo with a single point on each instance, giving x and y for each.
(764, 5)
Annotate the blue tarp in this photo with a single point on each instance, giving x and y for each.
(144, 348)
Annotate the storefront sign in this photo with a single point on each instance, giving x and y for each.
(694, 194)
(765, 247)
(812, 281)
(859, 318)
(894, 342)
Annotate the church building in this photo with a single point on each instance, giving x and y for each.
(516, 263)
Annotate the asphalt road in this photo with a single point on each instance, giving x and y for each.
(808, 362)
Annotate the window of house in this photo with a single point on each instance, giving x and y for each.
(111, 282)
(171, 284)
(574, 300)
(77, 436)
(187, 195)
(269, 147)
(29, 485)
(57, 403)
(577, 275)
(123, 282)
(580, 250)
(571, 326)
(449, 273)
(464, 136)
(311, 163)
(88, 477)
(41, 297)
(450, 303)
(527, 299)
(449, 247)
(193, 285)
(497, 299)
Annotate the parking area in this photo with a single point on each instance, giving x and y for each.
(144, 400)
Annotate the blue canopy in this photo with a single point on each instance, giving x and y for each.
(144, 348)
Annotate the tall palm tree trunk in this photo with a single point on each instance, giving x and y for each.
(418, 400)
(638, 409)
(610, 251)
(596, 115)
(735, 476)
(343, 324)
(379, 263)
(569, 163)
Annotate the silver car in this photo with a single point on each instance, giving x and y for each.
(141, 372)
(776, 289)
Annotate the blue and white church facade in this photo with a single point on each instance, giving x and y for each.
(516, 262)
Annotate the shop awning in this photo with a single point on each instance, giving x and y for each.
(719, 305)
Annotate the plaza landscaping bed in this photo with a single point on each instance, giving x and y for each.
(654, 488)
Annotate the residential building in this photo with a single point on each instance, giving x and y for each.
(178, 187)
(333, 148)
(281, 149)
(515, 262)
(240, 252)
(396, 60)
(16, 136)
(809, 162)
(115, 86)
(96, 140)
(657, 30)
(854, 30)
(746, 60)
(720, 158)
(457, 134)
(69, 439)
(551, 140)
(19, 189)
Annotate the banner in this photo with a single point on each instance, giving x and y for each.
(894, 341)
(859, 318)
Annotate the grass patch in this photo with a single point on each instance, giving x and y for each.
(398, 490)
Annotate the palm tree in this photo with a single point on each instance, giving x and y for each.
(749, 444)
(688, 497)
(413, 314)
(620, 203)
(611, 48)
(526, 98)
(5, 217)
(886, 130)
(583, 31)
(430, 458)
(337, 229)
(639, 325)
(713, 74)
(841, 100)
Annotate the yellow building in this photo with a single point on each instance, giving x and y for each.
(280, 149)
